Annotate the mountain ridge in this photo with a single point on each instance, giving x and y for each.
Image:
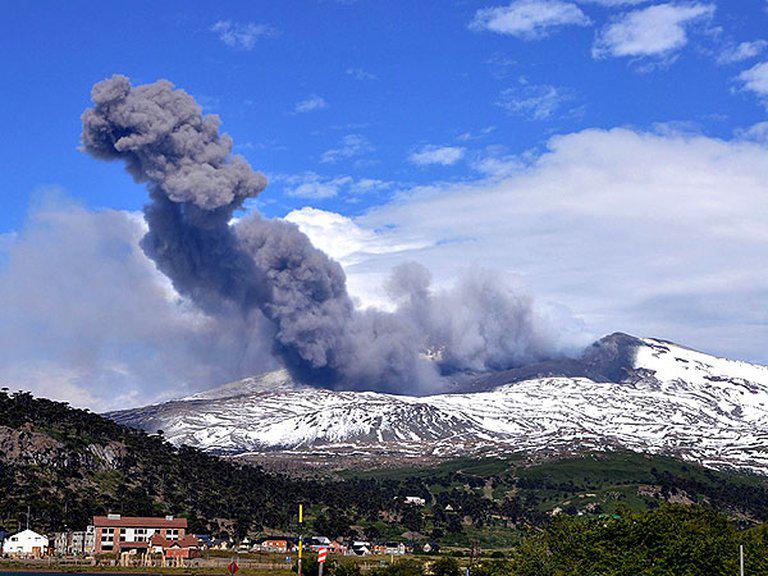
(623, 392)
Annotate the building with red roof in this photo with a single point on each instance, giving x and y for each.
(116, 533)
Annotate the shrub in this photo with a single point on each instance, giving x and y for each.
(445, 566)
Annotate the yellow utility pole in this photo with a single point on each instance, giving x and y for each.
(301, 526)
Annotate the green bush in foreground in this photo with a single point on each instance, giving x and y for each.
(669, 541)
(445, 566)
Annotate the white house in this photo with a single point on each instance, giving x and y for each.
(25, 543)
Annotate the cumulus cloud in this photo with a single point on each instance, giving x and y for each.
(742, 51)
(656, 31)
(442, 155)
(528, 19)
(757, 132)
(609, 223)
(756, 79)
(343, 240)
(310, 104)
(242, 36)
(351, 145)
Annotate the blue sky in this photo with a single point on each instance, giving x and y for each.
(607, 156)
(396, 76)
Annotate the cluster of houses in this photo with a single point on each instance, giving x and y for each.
(149, 541)
(164, 537)
(284, 544)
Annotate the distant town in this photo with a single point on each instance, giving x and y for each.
(135, 541)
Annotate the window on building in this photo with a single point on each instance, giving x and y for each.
(140, 534)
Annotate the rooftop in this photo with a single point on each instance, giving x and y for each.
(118, 521)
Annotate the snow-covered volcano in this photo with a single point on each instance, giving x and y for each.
(641, 394)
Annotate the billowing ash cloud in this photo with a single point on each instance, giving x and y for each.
(269, 269)
(478, 324)
(194, 181)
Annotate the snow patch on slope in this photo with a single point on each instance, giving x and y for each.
(670, 400)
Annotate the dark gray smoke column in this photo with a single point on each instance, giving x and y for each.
(256, 266)
(194, 182)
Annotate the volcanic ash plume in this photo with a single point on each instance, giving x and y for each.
(269, 269)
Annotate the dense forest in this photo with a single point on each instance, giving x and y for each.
(68, 465)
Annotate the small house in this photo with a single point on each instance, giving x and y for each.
(279, 544)
(317, 542)
(26, 543)
(186, 547)
(361, 548)
(394, 549)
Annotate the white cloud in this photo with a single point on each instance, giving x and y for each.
(528, 19)
(342, 239)
(310, 104)
(361, 251)
(86, 317)
(756, 79)
(757, 133)
(368, 185)
(469, 136)
(742, 51)
(658, 30)
(533, 101)
(656, 234)
(442, 155)
(242, 36)
(351, 145)
(313, 186)
(614, 3)
(361, 74)
(498, 166)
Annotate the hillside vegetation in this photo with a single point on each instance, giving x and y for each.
(69, 464)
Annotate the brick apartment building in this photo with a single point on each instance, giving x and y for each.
(116, 533)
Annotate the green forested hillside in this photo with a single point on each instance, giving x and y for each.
(68, 465)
